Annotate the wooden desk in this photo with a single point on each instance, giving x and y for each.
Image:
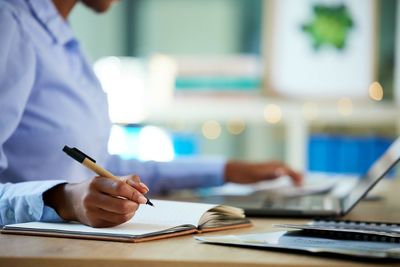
(184, 251)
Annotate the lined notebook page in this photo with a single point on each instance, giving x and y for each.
(164, 215)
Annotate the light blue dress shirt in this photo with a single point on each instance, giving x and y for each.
(50, 97)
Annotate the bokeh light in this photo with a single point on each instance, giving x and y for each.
(376, 91)
(236, 126)
(272, 113)
(211, 129)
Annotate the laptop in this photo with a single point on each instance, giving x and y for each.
(323, 205)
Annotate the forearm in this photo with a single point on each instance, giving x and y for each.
(23, 202)
(177, 174)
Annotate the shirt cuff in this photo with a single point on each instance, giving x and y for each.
(50, 215)
(23, 202)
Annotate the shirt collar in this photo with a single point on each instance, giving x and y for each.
(51, 20)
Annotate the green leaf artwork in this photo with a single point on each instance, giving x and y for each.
(330, 26)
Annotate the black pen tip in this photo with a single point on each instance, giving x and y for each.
(149, 203)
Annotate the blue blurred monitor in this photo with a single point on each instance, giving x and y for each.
(343, 154)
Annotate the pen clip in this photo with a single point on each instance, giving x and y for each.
(77, 154)
(83, 154)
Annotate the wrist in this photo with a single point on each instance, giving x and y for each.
(232, 170)
(58, 198)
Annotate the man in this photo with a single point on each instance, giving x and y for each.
(49, 97)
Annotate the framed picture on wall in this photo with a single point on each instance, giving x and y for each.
(321, 49)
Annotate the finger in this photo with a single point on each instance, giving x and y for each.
(134, 178)
(280, 171)
(102, 218)
(119, 188)
(135, 182)
(296, 177)
(283, 169)
(110, 203)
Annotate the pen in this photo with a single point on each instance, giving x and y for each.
(91, 164)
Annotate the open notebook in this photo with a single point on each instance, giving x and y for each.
(166, 219)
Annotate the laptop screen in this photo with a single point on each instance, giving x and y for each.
(376, 172)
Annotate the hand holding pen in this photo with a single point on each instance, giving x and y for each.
(91, 164)
(102, 201)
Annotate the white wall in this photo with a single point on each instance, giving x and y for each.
(188, 27)
(100, 34)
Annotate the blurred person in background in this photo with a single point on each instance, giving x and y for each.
(49, 97)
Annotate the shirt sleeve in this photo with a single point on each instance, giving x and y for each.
(23, 202)
(17, 75)
(178, 174)
(20, 202)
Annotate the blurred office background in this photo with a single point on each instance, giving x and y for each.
(312, 83)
